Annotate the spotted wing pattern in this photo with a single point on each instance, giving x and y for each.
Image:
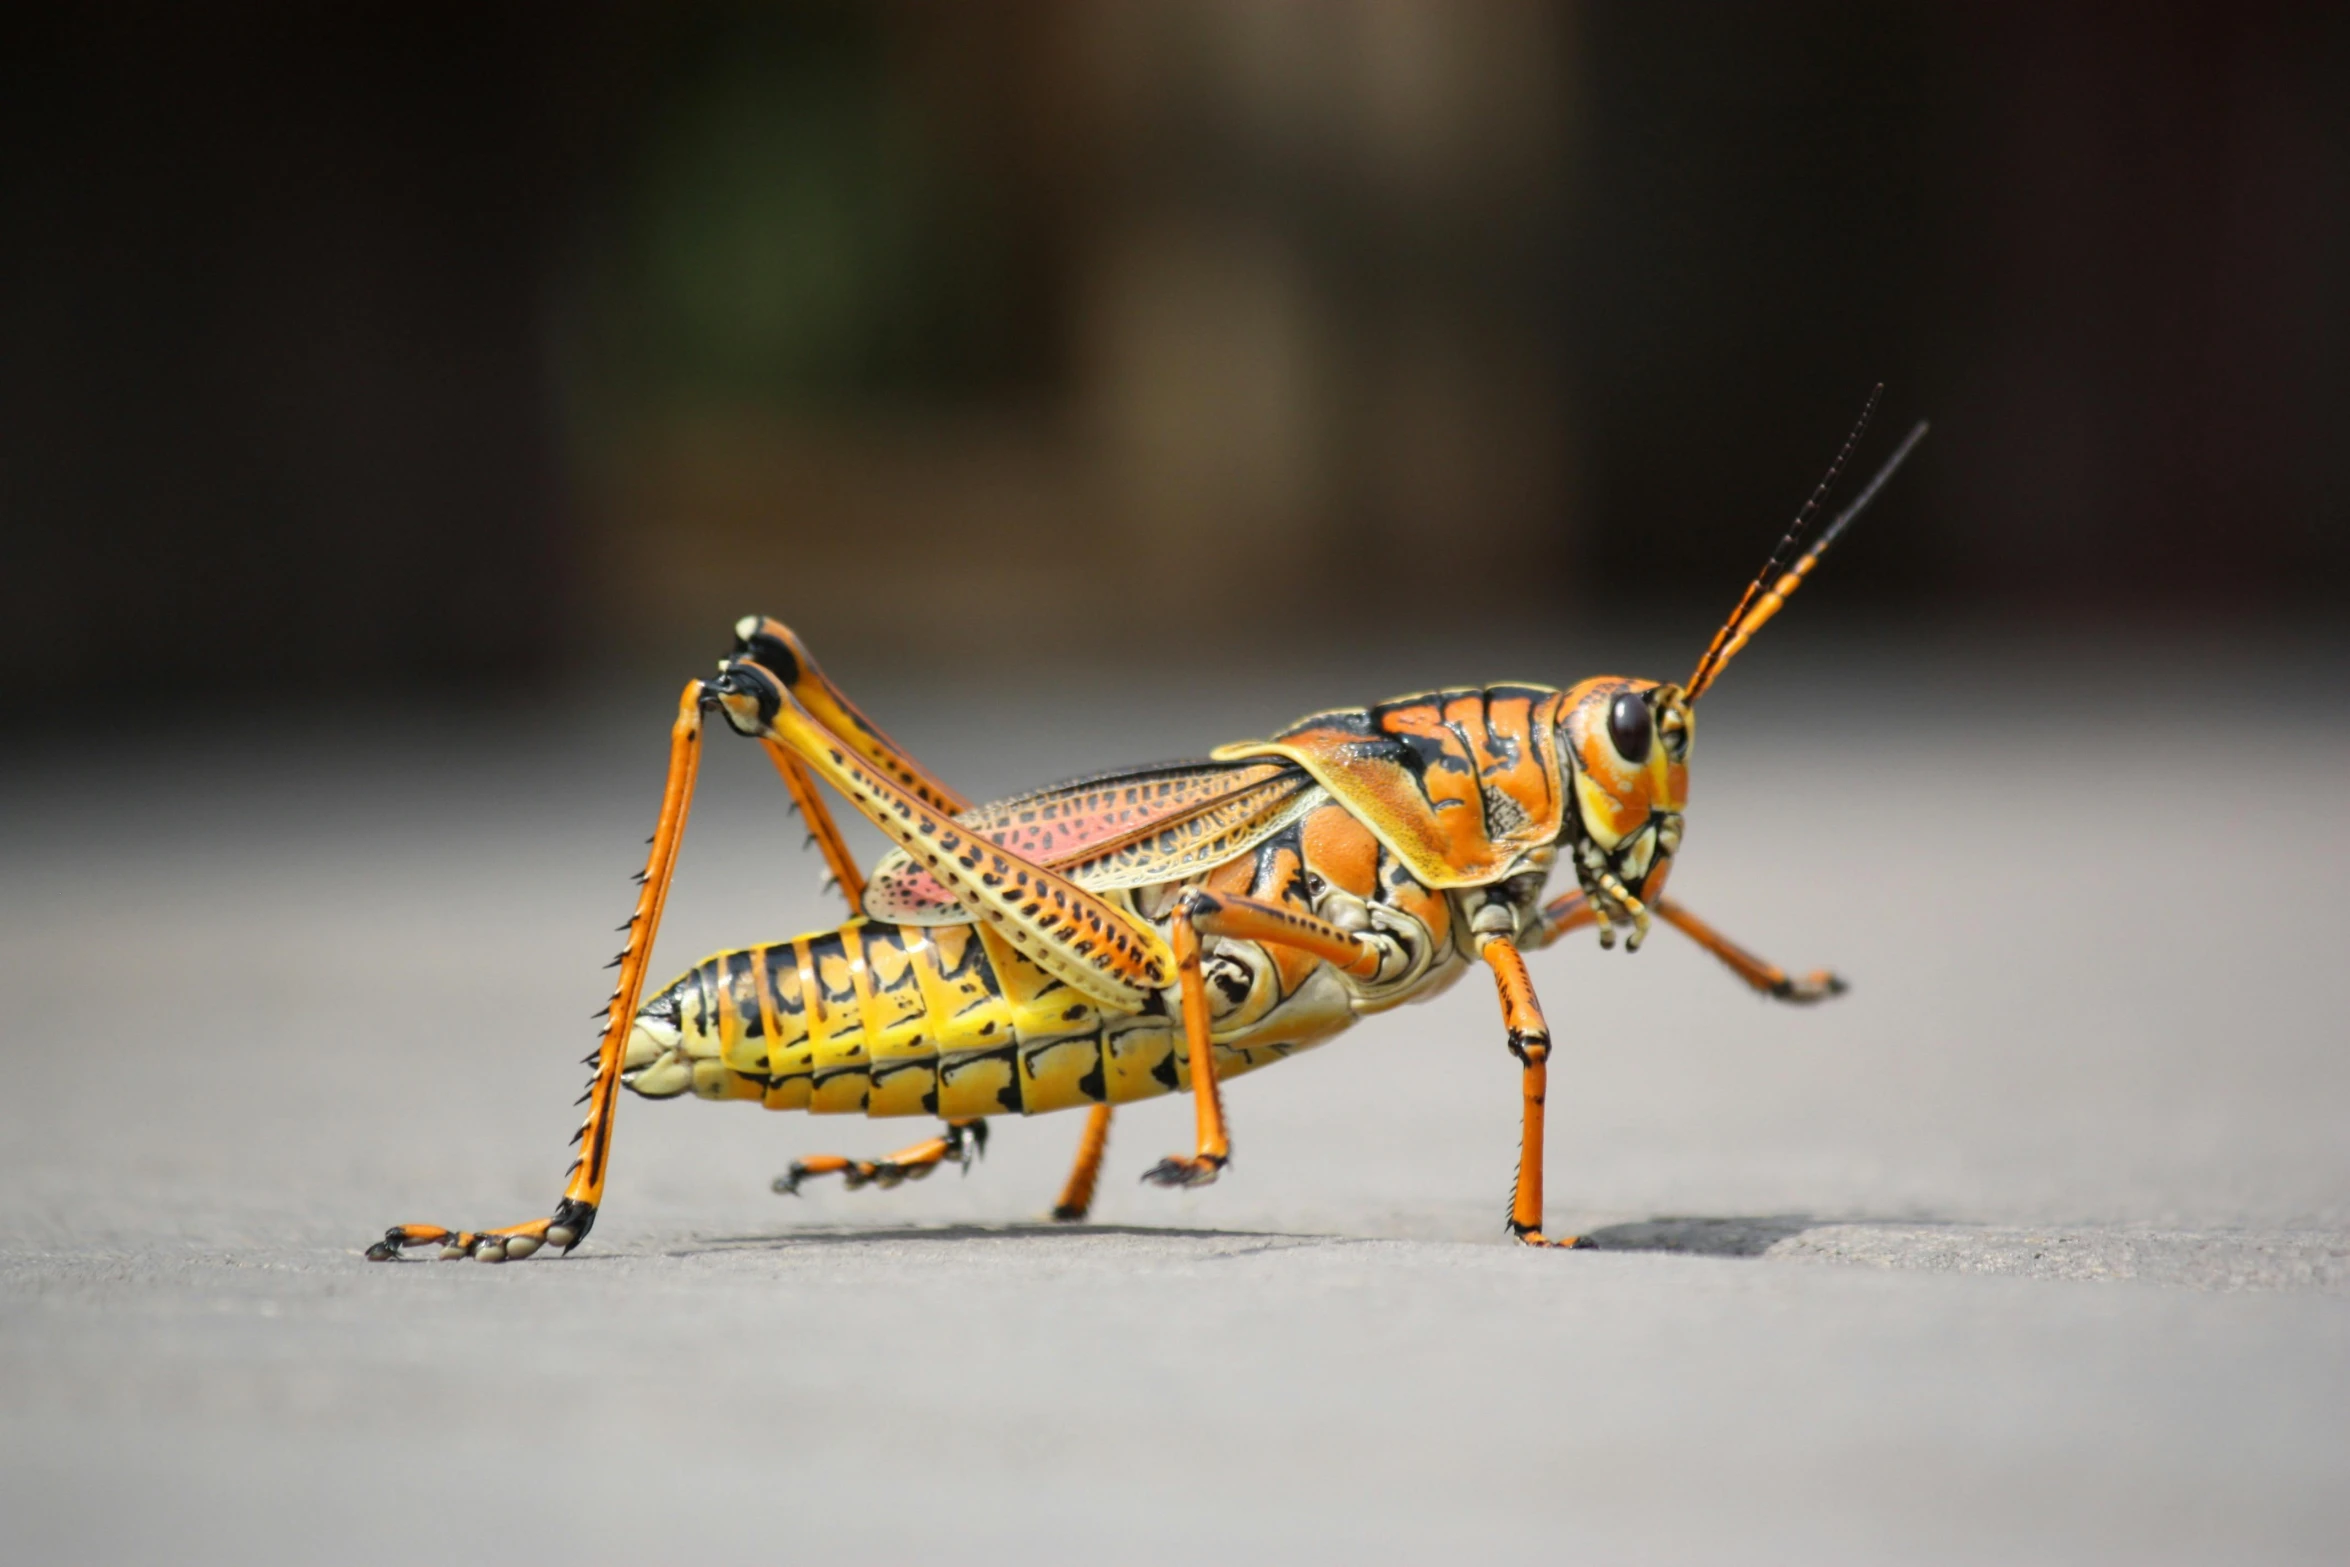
(1122, 829)
(1460, 784)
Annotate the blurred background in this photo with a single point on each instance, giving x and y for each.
(396, 403)
(435, 349)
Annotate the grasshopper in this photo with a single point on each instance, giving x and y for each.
(1158, 929)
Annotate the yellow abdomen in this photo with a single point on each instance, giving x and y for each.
(879, 1019)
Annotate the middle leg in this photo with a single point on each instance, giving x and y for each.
(961, 1142)
(1198, 913)
(1077, 1192)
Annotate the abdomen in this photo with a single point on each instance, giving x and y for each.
(880, 1019)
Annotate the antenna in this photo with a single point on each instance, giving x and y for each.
(1782, 573)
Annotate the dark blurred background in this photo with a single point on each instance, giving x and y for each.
(430, 347)
(394, 400)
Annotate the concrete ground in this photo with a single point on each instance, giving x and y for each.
(2036, 1247)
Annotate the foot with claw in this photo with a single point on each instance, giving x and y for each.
(1563, 1243)
(1818, 985)
(853, 1173)
(1175, 1172)
(962, 1143)
(566, 1228)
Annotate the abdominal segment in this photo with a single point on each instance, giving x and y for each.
(880, 1019)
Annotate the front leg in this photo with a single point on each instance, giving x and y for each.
(1529, 1041)
(1765, 976)
(1573, 912)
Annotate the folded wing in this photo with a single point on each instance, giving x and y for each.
(1129, 828)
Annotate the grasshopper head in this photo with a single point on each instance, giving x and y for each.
(1627, 756)
(1628, 740)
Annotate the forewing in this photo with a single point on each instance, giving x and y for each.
(1207, 837)
(1120, 829)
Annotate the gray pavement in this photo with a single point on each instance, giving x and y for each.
(2035, 1247)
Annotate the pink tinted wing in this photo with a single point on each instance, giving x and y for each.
(1115, 825)
(1075, 820)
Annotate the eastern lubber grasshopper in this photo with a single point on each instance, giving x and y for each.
(1158, 929)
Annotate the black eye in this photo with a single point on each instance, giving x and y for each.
(1627, 726)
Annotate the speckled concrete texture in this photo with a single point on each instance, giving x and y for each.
(2033, 1248)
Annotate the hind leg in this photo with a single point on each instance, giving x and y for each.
(575, 1213)
(773, 644)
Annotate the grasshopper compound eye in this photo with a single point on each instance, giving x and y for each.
(1627, 727)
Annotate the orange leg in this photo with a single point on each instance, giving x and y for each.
(1077, 1193)
(773, 644)
(775, 647)
(1213, 1148)
(1766, 977)
(1573, 912)
(1529, 1040)
(568, 1225)
(1570, 913)
(1197, 913)
(963, 1142)
(840, 866)
(1254, 919)
(1085, 943)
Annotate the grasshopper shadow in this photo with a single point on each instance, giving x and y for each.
(1031, 1233)
(1749, 1235)
(1746, 1236)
